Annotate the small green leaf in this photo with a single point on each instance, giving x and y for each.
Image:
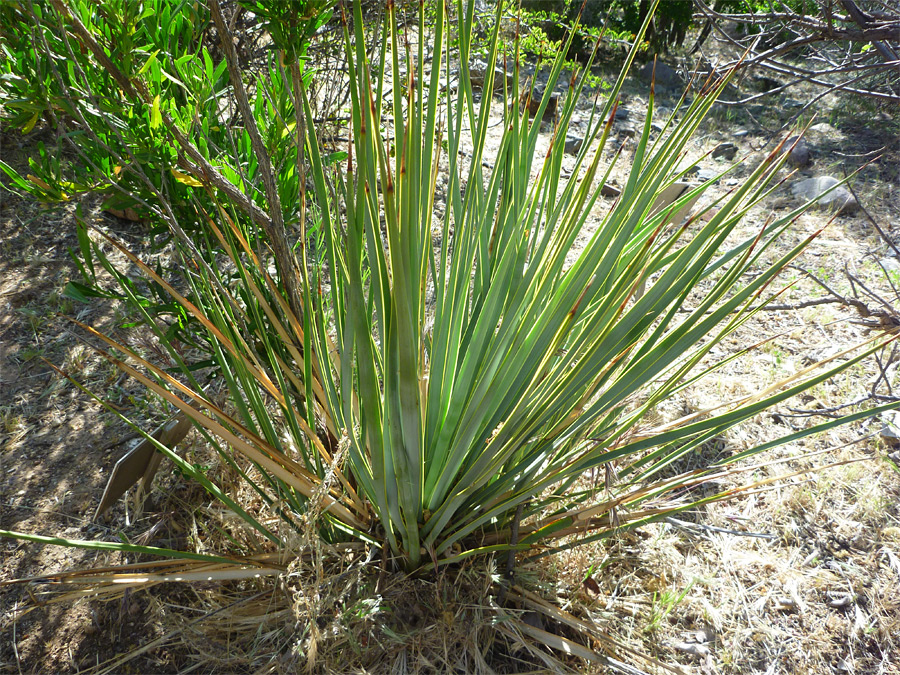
(155, 114)
(83, 293)
(31, 122)
(15, 177)
(84, 243)
(334, 158)
(148, 63)
(208, 65)
(175, 80)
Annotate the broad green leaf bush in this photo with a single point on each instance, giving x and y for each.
(435, 387)
(163, 65)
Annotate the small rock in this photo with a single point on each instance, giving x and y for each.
(785, 604)
(665, 76)
(621, 113)
(767, 83)
(627, 130)
(552, 106)
(478, 74)
(839, 199)
(840, 600)
(890, 264)
(890, 429)
(725, 151)
(740, 133)
(798, 152)
(691, 648)
(610, 190)
(573, 145)
(823, 128)
(669, 196)
(661, 117)
(706, 175)
(534, 103)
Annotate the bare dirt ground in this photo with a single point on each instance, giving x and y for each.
(57, 445)
(817, 592)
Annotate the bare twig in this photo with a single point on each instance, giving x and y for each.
(684, 525)
(274, 227)
(857, 304)
(804, 304)
(829, 38)
(887, 240)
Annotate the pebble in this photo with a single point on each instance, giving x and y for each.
(823, 128)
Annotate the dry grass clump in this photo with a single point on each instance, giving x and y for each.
(800, 578)
(352, 616)
(336, 609)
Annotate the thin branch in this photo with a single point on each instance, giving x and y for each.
(692, 527)
(274, 228)
(831, 40)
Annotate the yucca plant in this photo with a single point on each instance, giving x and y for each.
(439, 387)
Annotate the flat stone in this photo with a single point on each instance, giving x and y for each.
(669, 196)
(660, 118)
(534, 103)
(839, 199)
(610, 190)
(725, 151)
(665, 75)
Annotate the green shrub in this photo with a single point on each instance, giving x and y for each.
(162, 67)
(621, 18)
